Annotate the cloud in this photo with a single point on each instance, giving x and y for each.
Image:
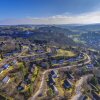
(85, 18)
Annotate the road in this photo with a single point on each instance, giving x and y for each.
(78, 87)
(44, 73)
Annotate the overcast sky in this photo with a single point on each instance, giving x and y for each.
(49, 12)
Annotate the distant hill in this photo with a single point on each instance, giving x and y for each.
(48, 33)
(80, 27)
(54, 29)
(52, 33)
(88, 35)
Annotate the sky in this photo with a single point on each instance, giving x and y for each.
(14, 12)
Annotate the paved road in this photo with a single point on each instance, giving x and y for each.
(44, 73)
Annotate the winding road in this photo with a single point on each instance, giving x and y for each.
(44, 73)
(40, 90)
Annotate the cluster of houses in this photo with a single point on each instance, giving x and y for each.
(11, 53)
(6, 79)
(24, 84)
(68, 82)
(94, 55)
(70, 60)
(51, 81)
(90, 66)
(35, 57)
(27, 78)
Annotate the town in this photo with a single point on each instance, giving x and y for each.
(49, 49)
(39, 71)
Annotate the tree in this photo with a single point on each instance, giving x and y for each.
(94, 80)
(84, 70)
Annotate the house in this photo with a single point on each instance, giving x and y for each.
(29, 76)
(50, 54)
(8, 54)
(54, 73)
(54, 88)
(61, 61)
(1, 70)
(79, 57)
(54, 61)
(95, 96)
(71, 60)
(6, 66)
(27, 79)
(90, 66)
(69, 75)
(32, 58)
(19, 88)
(83, 97)
(14, 61)
(44, 64)
(22, 86)
(39, 51)
(53, 50)
(67, 84)
(6, 79)
(51, 80)
(32, 67)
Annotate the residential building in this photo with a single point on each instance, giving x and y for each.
(6, 79)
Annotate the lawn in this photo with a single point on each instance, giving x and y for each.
(36, 71)
(1, 59)
(61, 52)
(23, 69)
(20, 64)
(26, 88)
(4, 73)
(10, 68)
(59, 87)
(35, 74)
